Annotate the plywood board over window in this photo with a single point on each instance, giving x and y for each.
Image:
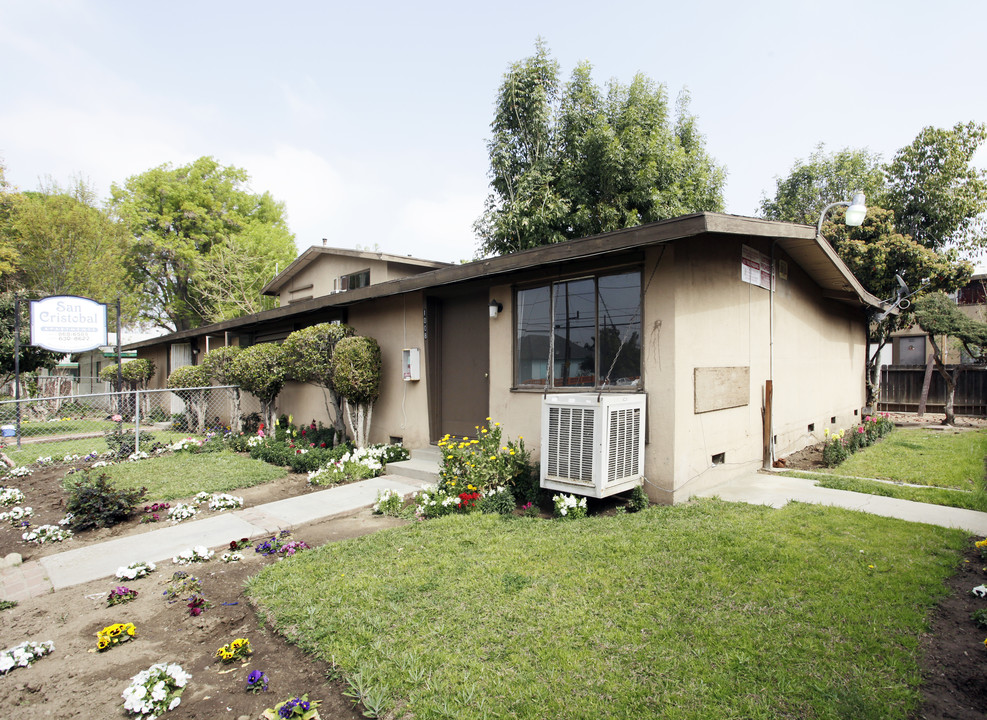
(718, 388)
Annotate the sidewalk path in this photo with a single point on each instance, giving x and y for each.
(768, 488)
(100, 560)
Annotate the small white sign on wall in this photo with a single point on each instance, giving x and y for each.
(755, 267)
(68, 324)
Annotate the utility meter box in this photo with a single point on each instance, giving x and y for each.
(411, 364)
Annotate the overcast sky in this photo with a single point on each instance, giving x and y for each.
(370, 120)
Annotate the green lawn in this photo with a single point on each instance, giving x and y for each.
(29, 452)
(182, 475)
(706, 610)
(946, 459)
(949, 464)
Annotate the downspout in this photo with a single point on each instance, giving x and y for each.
(769, 396)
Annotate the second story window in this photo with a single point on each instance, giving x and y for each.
(354, 280)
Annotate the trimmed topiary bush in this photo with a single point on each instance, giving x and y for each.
(187, 383)
(259, 369)
(356, 376)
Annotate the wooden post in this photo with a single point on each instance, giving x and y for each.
(926, 384)
(768, 394)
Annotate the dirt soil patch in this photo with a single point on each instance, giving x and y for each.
(76, 683)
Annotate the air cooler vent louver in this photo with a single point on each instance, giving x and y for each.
(592, 445)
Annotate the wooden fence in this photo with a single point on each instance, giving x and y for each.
(901, 389)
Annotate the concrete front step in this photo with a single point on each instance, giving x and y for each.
(423, 465)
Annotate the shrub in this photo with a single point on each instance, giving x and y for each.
(238, 442)
(388, 502)
(273, 452)
(979, 617)
(120, 443)
(483, 461)
(96, 502)
(569, 507)
(498, 500)
(305, 461)
(638, 500)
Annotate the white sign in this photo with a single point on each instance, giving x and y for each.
(68, 324)
(755, 267)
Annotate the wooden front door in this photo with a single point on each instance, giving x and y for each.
(459, 363)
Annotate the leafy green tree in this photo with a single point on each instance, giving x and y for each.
(923, 207)
(260, 370)
(824, 178)
(877, 254)
(187, 382)
(31, 358)
(309, 355)
(8, 249)
(939, 316)
(938, 195)
(356, 376)
(67, 245)
(189, 222)
(218, 363)
(572, 161)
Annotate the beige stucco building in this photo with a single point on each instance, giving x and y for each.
(734, 375)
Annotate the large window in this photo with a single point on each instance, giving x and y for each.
(579, 333)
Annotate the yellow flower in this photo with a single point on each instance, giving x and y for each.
(131, 630)
(493, 457)
(448, 457)
(484, 431)
(496, 424)
(512, 452)
(102, 644)
(488, 419)
(115, 630)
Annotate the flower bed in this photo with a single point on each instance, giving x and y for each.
(842, 444)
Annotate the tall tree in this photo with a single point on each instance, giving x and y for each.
(939, 317)
(31, 358)
(8, 249)
(67, 245)
(182, 219)
(572, 161)
(823, 178)
(939, 197)
(877, 254)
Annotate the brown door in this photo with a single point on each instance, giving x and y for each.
(459, 363)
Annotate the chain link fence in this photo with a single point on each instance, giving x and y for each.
(91, 416)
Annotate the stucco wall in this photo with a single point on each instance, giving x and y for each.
(818, 369)
(402, 409)
(322, 272)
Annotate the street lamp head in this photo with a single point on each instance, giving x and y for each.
(857, 211)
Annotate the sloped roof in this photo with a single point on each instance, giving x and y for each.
(316, 251)
(811, 252)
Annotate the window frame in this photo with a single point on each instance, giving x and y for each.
(551, 285)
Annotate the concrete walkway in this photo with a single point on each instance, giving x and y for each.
(769, 488)
(101, 560)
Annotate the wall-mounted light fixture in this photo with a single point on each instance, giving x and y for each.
(856, 211)
(495, 308)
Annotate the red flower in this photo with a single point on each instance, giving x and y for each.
(322, 445)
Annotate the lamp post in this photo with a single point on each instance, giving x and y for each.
(855, 213)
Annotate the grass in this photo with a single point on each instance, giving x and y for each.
(931, 495)
(923, 457)
(708, 610)
(65, 427)
(30, 452)
(183, 474)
